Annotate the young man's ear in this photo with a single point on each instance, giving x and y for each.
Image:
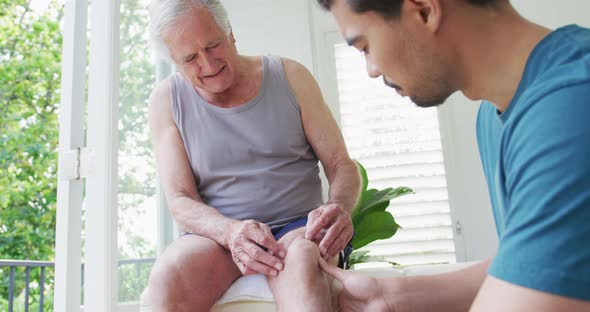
(424, 12)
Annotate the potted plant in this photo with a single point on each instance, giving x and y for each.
(370, 220)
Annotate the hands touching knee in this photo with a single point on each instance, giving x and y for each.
(254, 249)
(332, 225)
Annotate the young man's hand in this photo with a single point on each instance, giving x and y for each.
(359, 292)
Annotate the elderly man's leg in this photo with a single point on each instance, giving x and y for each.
(301, 285)
(191, 275)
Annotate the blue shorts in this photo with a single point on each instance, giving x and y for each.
(281, 231)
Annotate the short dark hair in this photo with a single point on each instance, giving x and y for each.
(387, 8)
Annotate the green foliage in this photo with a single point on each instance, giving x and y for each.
(369, 218)
(30, 52)
(132, 281)
(373, 200)
(137, 174)
(375, 225)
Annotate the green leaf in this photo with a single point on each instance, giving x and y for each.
(382, 196)
(374, 226)
(356, 257)
(360, 214)
(364, 185)
(365, 196)
(373, 200)
(364, 177)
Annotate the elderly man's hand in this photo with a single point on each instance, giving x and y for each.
(254, 249)
(337, 225)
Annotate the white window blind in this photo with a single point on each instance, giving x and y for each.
(400, 145)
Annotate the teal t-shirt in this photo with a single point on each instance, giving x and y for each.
(536, 159)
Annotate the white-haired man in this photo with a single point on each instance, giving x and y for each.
(238, 140)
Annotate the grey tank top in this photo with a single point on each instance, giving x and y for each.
(252, 161)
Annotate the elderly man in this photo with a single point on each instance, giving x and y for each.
(237, 141)
(532, 132)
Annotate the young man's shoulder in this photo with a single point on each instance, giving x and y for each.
(559, 63)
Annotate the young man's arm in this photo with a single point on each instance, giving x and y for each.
(450, 292)
(543, 261)
(498, 295)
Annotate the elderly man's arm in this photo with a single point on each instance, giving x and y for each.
(325, 137)
(190, 212)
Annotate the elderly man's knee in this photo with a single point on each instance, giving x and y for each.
(163, 282)
(184, 265)
(169, 266)
(303, 251)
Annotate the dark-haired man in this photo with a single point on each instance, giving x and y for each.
(532, 129)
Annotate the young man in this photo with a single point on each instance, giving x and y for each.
(237, 141)
(533, 131)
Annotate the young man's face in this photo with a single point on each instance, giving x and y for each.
(402, 50)
(202, 52)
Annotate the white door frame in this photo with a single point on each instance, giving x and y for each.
(100, 280)
(68, 238)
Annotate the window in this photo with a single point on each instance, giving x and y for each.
(30, 75)
(137, 197)
(399, 145)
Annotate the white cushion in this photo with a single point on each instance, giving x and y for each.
(248, 288)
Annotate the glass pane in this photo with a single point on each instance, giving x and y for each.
(137, 198)
(30, 72)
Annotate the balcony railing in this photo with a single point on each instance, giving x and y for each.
(28, 265)
(43, 266)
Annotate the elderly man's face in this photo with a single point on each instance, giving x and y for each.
(401, 50)
(202, 52)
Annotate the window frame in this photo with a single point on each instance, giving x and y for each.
(100, 163)
(71, 138)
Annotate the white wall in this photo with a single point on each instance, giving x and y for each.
(475, 232)
(280, 27)
(554, 14)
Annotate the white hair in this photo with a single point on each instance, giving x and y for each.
(164, 13)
